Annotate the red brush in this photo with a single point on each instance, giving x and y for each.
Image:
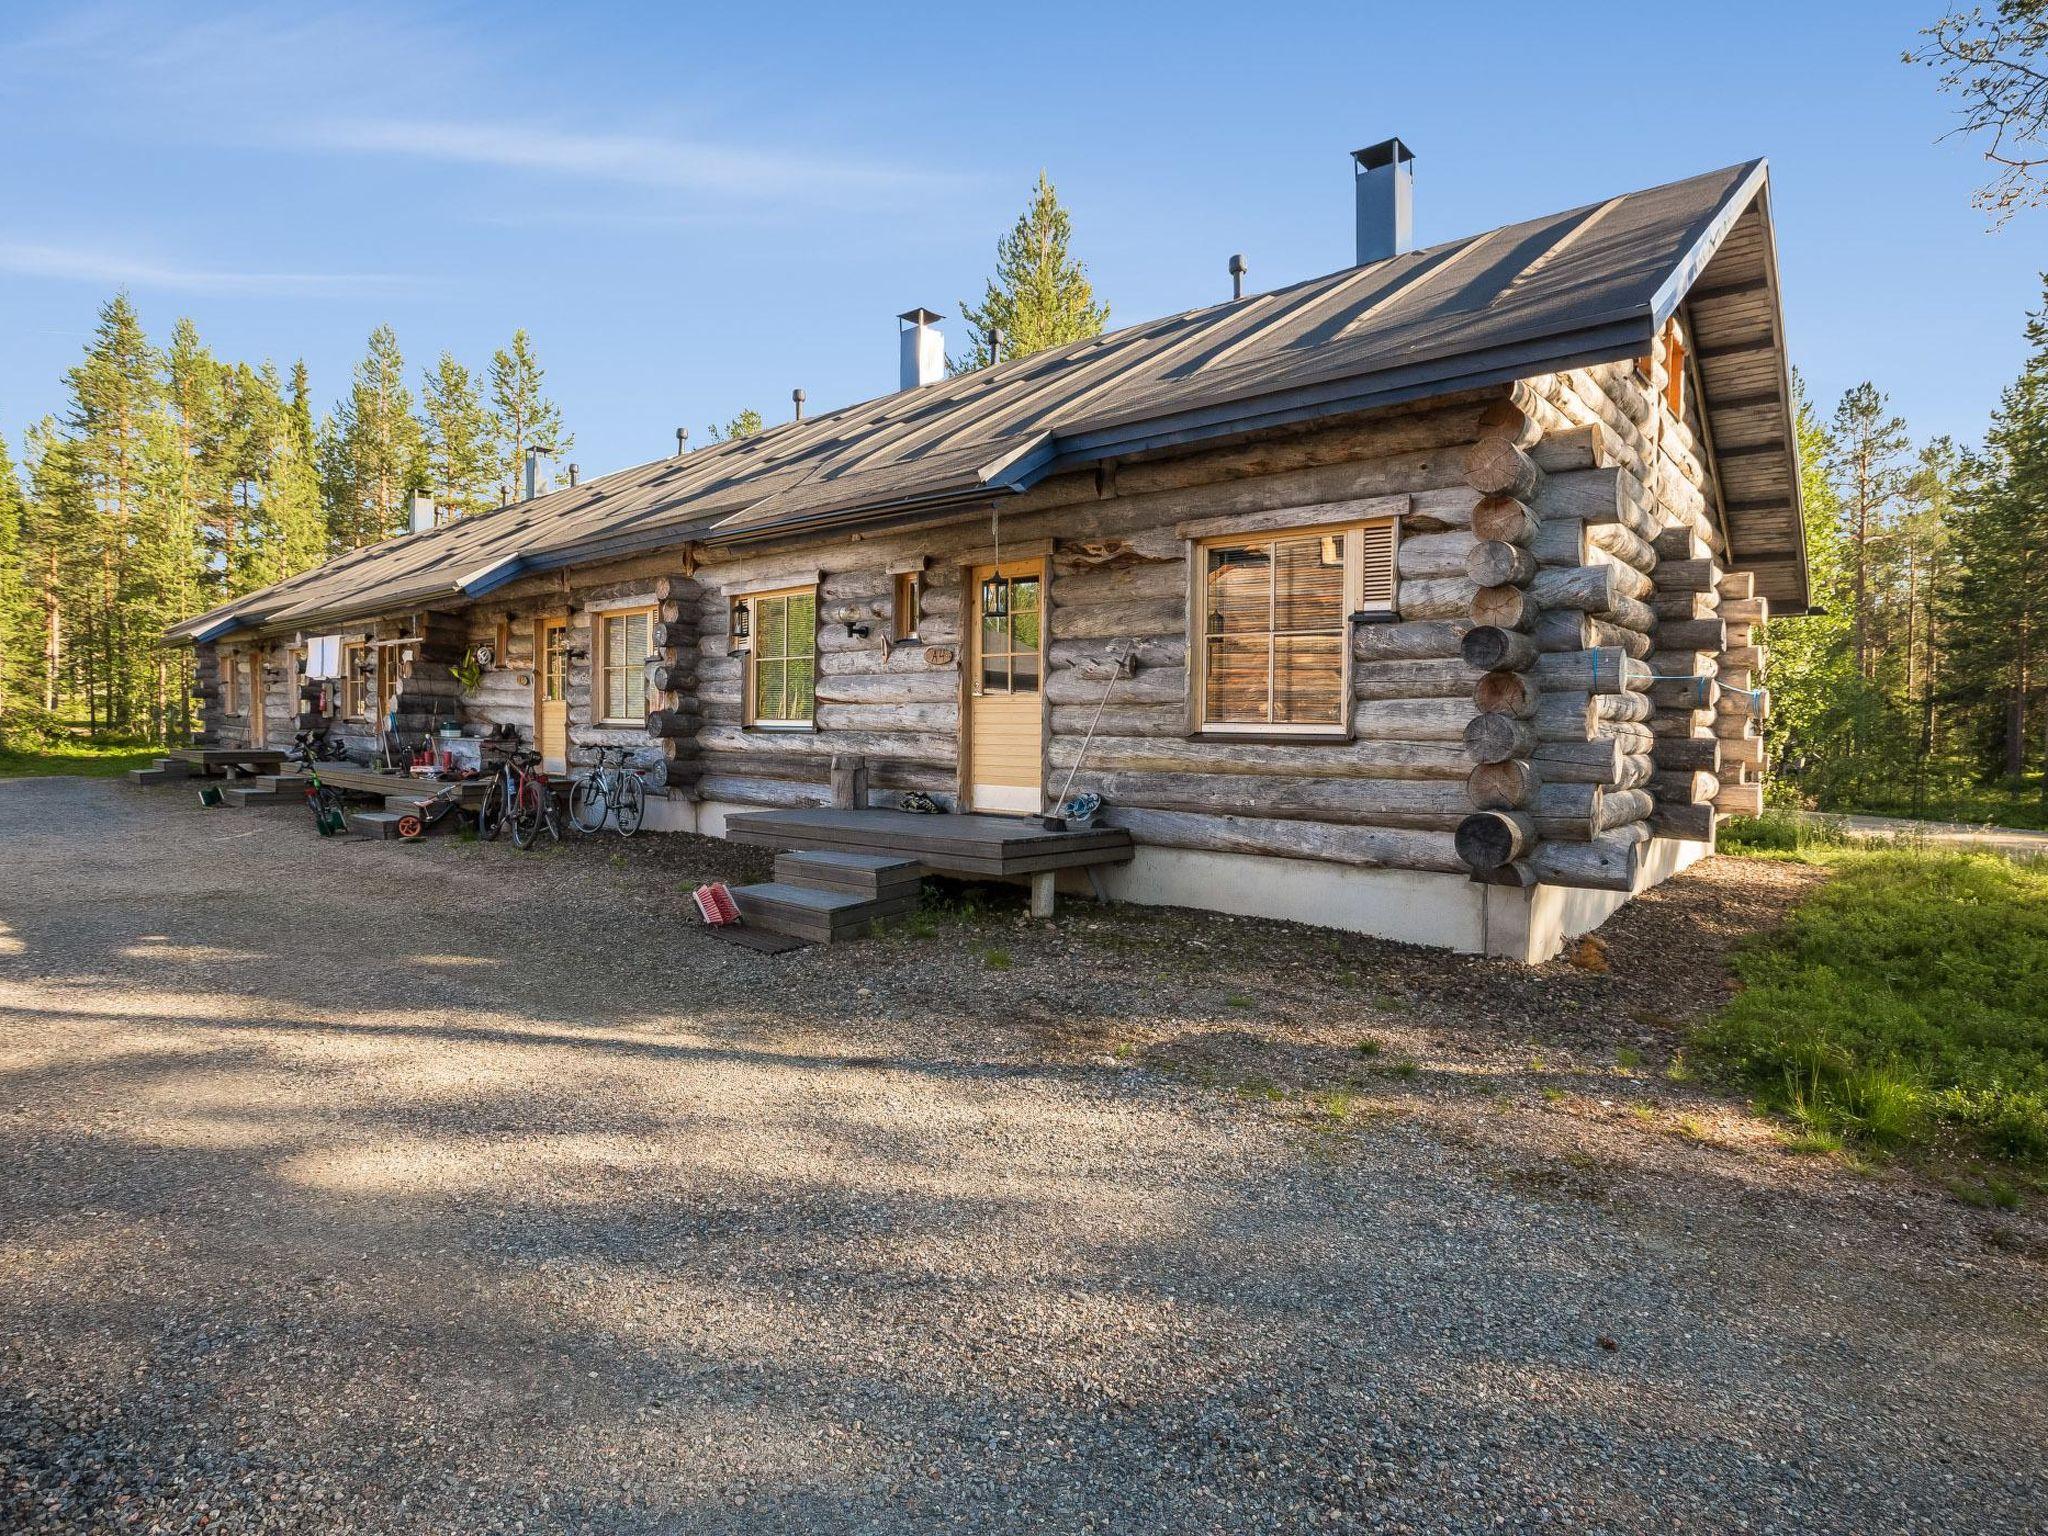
(715, 904)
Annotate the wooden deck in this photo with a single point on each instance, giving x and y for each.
(257, 759)
(988, 846)
(354, 780)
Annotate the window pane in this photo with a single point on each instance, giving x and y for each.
(1309, 584)
(1236, 680)
(1308, 679)
(803, 624)
(1024, 671)
(1024, 630)
(995, 674)
(1023, 594)
(632, 692)
(771, 621)
(799, 701)
(1238, 579)
(995, 637)
(768, 690)
(638, 639)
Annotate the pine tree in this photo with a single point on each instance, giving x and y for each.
(461, 440)
(1040, 296)
(1997, 613)
(17, 620)
(521, 414)
(747, 423)
(1868, 446)
(374, 457)
(115, 394)
(291, 487)
(197, 390)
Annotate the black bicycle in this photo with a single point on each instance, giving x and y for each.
(329, 815)
(610, 791)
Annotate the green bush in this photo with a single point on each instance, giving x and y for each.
(1902, 1005)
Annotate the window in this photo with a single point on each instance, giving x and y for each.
(1007, 655)
(909, 593)
(782, 657)
(355, 681)
(623, 642)
(231, 684)
(1274, 653)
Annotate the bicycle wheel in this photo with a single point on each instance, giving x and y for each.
(490, 816)
(529, 815)
(329, 816)
(587, 803)
(632, 803)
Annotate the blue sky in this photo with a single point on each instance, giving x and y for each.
(694, 209)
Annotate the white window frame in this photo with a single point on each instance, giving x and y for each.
(1353, 535)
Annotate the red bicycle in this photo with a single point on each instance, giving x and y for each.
(533, 806)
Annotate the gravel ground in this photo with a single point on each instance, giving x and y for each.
(378, 1188)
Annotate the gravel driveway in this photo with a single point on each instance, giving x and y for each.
(373, 1188)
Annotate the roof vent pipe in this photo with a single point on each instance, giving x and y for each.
(682, 441)
(1384, 180)
(995, 345)
(1237, 272)
(575, 474)
(797, 399)
(920, 348)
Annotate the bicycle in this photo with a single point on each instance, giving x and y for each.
(329, 816)
(501, 799)
(610, 790)
(533, 812)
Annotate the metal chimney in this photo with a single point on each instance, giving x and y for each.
(423, 518)
(1384, 178)
(533, 458)
(921, 349)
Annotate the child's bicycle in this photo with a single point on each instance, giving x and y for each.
(329, 818)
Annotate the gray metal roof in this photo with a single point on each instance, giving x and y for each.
(1590, 285)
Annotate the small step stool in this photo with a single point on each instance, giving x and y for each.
(827, 898)
(252, 793)
(373, 824)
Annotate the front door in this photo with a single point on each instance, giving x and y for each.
(551, 694)
(258, 727)
(1005, 678)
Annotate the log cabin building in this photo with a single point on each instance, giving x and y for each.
(1417, 599)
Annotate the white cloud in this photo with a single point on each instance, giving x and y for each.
(633, 159)
(113, 269)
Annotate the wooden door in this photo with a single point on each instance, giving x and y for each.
(257, 723)
(551, 694)
(1005, 689)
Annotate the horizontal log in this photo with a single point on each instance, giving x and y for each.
(1142, 651)
(1415, 640)
(1506, 693)
(1436, 679)
(1503, 786)
(1487, 840)
(1491, 648)
(1685, 692)
(1675, 752)
(1579, 762)
(1740, 585)
(1413, 719)
(1366, 847)
(1688, 575)
(1685, 786)
(1603, 669)
(1681, 543)
(1607, 863)
(1494, 466)
(1494, 562)
(1618, 808)
(1741, 752)
(1447, 597)
(1412, 803)
(1222, 754)
(1146, 685)
(1505, 519)
(935, 686)
(1434, 556)
(1566, 629)
(1619, 543)
(930, 717)
(1561, 542)
(1496, 738)
(1506, 607)
(1746, 610)
(1692, 634)
(1740, 800)
(1695, 823)
(1073, 720)
(676, 677)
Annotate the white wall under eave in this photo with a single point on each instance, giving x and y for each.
(1438, 911)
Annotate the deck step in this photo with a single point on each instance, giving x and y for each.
(250, 794)
(873, 875)
(374, 824)
(173, 768)
(823, 917)
(151, 776)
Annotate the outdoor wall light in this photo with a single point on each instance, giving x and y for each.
(850, 617)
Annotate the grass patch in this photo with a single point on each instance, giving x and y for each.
(1778, 834)
(996, 959)
(1367, 1046)
(1900, 1006)
(79, 759)
(1627, 1057)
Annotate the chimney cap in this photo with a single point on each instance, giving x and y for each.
(920, 316)
(1385, 153)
